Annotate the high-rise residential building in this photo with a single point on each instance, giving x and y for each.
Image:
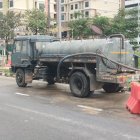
(134, 4)
(50, 8)
(89, 8)
(21, 5)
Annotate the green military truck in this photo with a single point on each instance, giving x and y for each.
(86, 65)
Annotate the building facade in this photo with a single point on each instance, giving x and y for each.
(89, 8)
(21, 5)
(134, 4)
(51, 8)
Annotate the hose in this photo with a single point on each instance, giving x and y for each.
(98, 51)
(94, 54)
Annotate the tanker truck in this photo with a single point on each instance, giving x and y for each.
(86, 65)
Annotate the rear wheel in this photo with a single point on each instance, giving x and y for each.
(112, 87)
(79, 85)
(20, 78)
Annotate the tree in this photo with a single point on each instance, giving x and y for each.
(132, 23)
(36, 21)
(80, 26)
(103, 23)
(126, 22)
(80, 29)
(8, 23)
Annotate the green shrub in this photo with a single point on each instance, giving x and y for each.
(6, 72)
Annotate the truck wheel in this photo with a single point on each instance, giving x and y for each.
(111, 87)
(79, 85)
(20, 78)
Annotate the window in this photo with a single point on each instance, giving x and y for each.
(71, 7)
(76, 6)
(18, 45)
(62, 1)
(62, 17)
(87, 14)
(54, 16)
(62, 8)
(24, 47)
(54, 7)
(41, 6)
(71, 16)
(131, 5)
(35, 4)
(87, 4)
(11, 3)
(1, 4)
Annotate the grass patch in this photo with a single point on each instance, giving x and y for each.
(6, 71)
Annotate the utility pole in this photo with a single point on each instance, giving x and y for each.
(138, 20)
(59, 18)
(48, 15)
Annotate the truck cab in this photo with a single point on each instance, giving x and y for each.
(25, 52)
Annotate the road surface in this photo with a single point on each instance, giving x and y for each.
(43, 112)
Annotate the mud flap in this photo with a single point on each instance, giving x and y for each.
(28, 76)
(94, 84)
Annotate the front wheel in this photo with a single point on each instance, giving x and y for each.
(79, 85)
(20, 78)
(112, 87)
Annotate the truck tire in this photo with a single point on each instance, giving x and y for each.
(112, 87)
(79, 85)
(20, 78)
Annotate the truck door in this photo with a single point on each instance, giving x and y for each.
(16, 55)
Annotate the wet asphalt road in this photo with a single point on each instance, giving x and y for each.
(42, 112)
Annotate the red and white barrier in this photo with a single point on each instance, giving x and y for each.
(133, 103)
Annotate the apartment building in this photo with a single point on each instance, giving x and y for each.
(21, 5)
(89, 8)
(51, 8)
(134, 4)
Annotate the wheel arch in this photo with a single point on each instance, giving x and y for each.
(82, 70)
(91, 77)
